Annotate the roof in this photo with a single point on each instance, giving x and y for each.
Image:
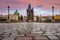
(44, 17)
(16, 12)
(57, 15)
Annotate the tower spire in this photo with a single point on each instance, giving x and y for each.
(30, 13)
(29, 6)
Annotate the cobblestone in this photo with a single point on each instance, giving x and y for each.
(34, 31)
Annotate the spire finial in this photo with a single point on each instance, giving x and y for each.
(29, 6)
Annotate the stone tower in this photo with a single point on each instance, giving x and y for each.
(30, 13)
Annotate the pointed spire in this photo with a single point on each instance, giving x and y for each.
(29, 6)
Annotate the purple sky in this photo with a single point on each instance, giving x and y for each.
(42, 7)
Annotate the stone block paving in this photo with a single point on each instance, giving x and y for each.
(20, 31)
(32, 36)
(24, 38)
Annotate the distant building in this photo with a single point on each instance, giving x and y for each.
(17, 13)
(2, 18)
(14, 16)
(49, 17)
(21, 18)
(30, 13)
(35, 18)
(43, 18)
(25, 18)
(57, 17)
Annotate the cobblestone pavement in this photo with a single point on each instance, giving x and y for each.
(29, 31)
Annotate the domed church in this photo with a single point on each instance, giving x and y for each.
(15, 16)
(16, 12)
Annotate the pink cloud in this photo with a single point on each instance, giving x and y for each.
(22, 4)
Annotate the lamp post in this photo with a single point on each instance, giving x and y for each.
(8, 11)
(53, 14)
(53, 11)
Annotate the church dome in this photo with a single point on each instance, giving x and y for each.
(16, 12)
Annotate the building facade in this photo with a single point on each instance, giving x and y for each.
(57, 17)
(14, 17)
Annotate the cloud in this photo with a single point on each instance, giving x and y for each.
(22, 4)
(57, 4)
(12, 2)
(54, 2)
(39, 6)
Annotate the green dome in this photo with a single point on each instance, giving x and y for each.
(16, 13)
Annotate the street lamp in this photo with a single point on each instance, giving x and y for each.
(52, 13)
(8, 11)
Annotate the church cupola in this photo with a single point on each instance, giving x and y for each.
(16, 12)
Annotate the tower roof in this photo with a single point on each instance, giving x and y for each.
(29, 6)
(16, 12)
